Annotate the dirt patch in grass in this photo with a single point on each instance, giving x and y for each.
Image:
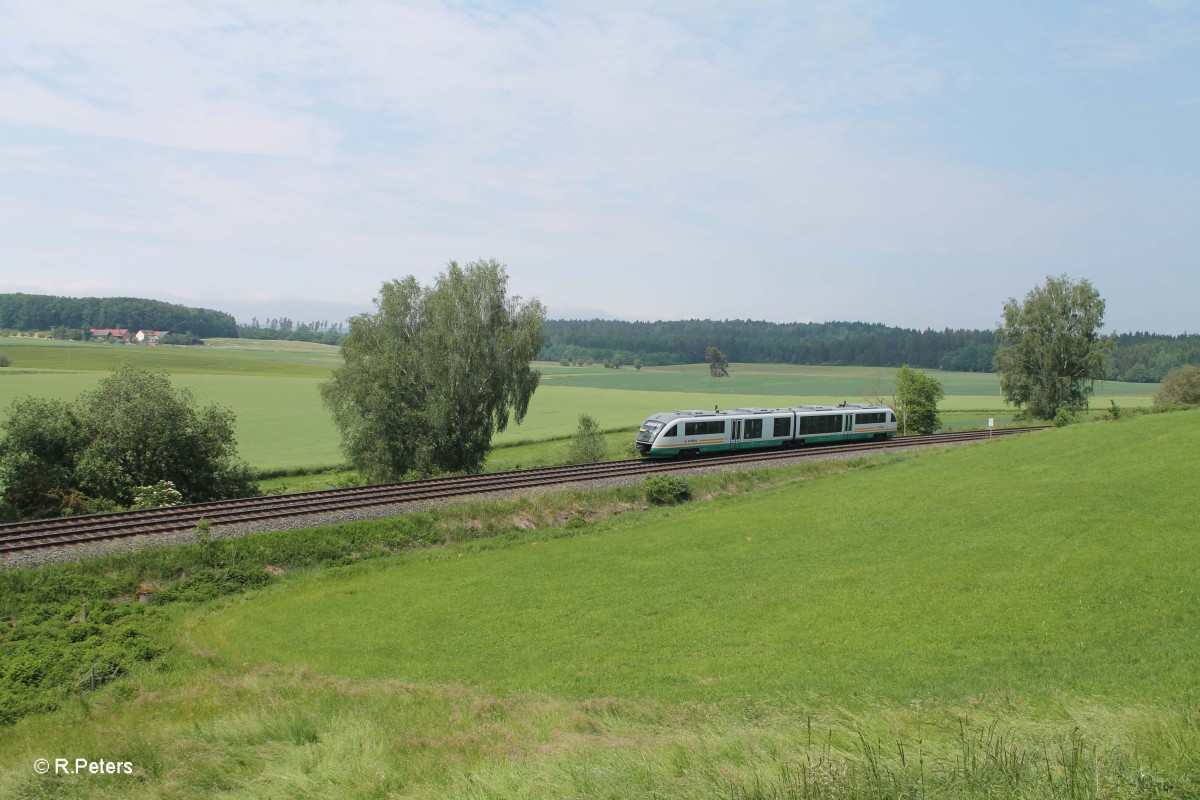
(523, 522)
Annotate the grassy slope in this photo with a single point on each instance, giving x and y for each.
(1060, 562)
(1069, 603)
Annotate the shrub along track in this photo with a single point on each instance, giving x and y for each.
(23, 538)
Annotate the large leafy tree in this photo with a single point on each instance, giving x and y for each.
(916, 400)
(435, 372)
(1051, 350)
(141, 430)
(133, 430)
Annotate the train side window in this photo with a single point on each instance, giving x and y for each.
(823, 423)
(703, 428)
(672, 431)
(753, 429)
(783, 426)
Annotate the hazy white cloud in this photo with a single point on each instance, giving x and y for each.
(1114, 36)
(264, 153)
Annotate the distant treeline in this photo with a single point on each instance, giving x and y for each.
(35, 312)
(1143, 357)
(837, 343)
(1147, 357)
(1140, 357)
(287, 329)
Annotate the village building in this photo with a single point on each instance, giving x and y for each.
(123, 336)
(109, 334)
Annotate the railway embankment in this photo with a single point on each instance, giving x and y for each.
(65, 538)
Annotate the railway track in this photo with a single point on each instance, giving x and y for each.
(24, 537)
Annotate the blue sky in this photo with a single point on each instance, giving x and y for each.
(912, 163)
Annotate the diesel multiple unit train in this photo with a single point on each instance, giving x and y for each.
(689, 433)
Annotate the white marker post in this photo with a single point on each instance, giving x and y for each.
(991, 424)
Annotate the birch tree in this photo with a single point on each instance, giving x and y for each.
(1051, 350)
(435, 372)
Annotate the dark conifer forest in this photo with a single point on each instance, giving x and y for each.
(1141, 357)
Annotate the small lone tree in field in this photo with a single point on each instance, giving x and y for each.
(587, 445)
(916, 400)
(718, 364)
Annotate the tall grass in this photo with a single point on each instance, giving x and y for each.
(203, 728)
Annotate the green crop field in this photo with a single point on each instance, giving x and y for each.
(282, 423)
(807, 383)
(271, 386)
(1011, 619)
(216, 357)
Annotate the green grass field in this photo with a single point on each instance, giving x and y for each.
(282, 423)
(1011, 619)
(1029, 569)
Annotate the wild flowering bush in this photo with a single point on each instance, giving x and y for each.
(160, 495)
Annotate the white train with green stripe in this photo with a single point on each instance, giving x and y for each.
(689, 433)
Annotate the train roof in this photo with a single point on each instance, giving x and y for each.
(668, 416)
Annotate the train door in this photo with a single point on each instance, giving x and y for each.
(735, 437)
(848, 427)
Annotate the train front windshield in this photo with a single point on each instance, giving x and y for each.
(647, 431)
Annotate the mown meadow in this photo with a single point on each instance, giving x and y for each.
(284, 427)
(1017, 618)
